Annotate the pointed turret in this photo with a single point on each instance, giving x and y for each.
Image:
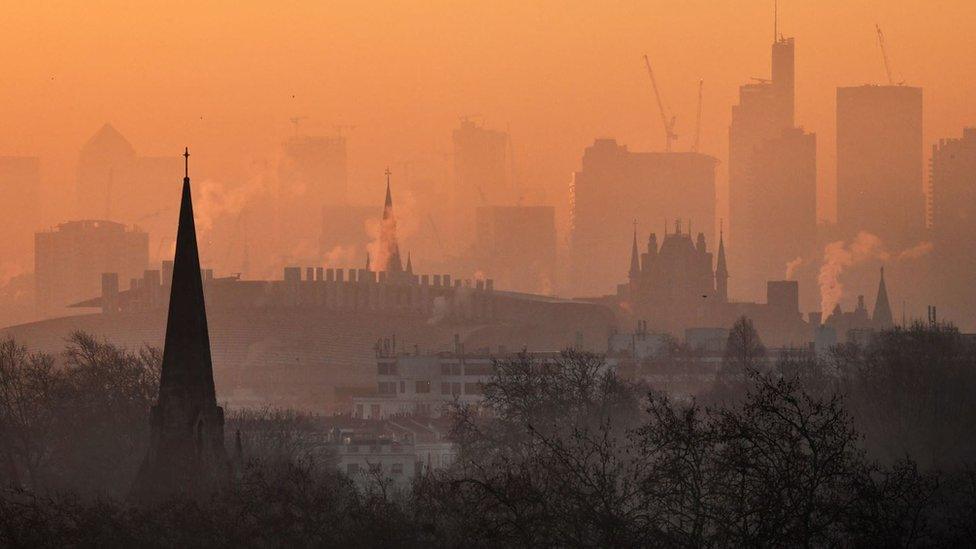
(388, 236)
(882, 309)
(186, 448)
(721, 270)
(635, 266)
(409, 267)
(367, 263)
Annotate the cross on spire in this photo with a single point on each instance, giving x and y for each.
(186, 162)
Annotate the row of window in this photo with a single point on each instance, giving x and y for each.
(354, 468)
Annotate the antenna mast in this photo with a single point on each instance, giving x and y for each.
(884, 54)
(669, 135)
(694, 148)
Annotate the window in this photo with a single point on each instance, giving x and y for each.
(473, 389)
(352, 469)
(397, 469)
(403, 387)
(374, 411)
(456, 388)
(359, 411)
(387, 387)
(423, 386)
(386, 368)
(450, 369)
(479, 369)
(445, 388)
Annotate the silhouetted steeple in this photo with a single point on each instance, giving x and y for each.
(409, 266)
(634, 257)
(721, 270)
(186, 450)
(367, 262)
(187, 369)
(882, 309)
(388, 236)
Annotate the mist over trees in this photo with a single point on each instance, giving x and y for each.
(866, 446)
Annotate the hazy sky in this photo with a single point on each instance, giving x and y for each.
(226, 77)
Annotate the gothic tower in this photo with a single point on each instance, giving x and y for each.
(186, 453)
(388, 236)
(882, 309)
(721, 271)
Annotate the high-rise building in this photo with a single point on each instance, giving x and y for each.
(312, 179)
(20, 210)
(70, 260)
(115, 183)
(783, 208)
(616, 187)
(952, 185)
(879, 163)
(481, 172)
(762, 129)
(953, 189)
(516, 246)
(186, 455)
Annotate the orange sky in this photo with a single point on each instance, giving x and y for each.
(225, 77)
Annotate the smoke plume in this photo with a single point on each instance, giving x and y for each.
(840, 256)
(792, 266)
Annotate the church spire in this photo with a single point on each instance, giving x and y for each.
(882, 309)
(634, 256)
(186, 448)
(721, 269)
(388, 236)
(409, 266)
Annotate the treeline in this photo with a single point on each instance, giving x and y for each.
(864, 447)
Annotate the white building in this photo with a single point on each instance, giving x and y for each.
(426, 385)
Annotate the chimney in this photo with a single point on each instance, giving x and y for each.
(110, 293)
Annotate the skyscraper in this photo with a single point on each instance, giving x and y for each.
(69, 260)
(783, 208)
(879, 163)
(116, 184)
(516, 246)
(616, 186)
(953, 199)
(772, 174)
(20, 182)
(953, 187)
(481, 172)
(186, 448)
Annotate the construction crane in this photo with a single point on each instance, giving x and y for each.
(669, 134)
(694, 147)
(884, 55)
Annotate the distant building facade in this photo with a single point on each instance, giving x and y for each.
(312, 179)
(783, 219)
(20, 182)
(772, 178)
(115, 183)
(614, 188)
(679, 285)
(952, 185)
(426, 385)
(482, 174)
(516, 246)
(879, 163)
(69, 260)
